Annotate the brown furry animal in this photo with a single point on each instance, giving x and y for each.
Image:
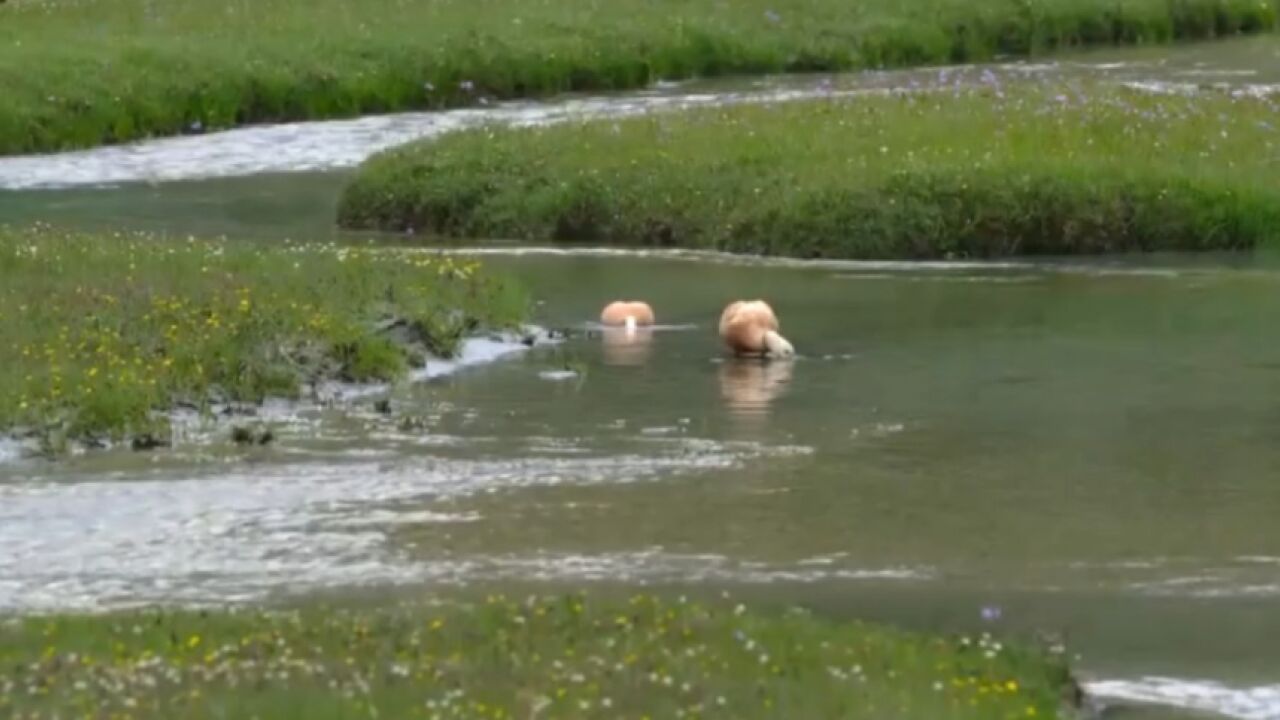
(628, 313)
(749, 327)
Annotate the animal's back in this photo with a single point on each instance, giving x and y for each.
(744, 325)
(616, 313)
(753, 312)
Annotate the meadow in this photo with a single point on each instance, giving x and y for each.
(87, 72)
(499, 657)
(1045, 168)
(104, 335)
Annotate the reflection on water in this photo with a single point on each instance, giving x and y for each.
(750, 385)
(627, 346)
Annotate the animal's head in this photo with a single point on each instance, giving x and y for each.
(778, 346)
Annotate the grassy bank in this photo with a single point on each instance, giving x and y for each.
(1032, 169)
(101, 332)
(96, 71)
(535, 657)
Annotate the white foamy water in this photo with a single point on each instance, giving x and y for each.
(243, 532)
(1214, 583)
(478, 351)
(1249, 576)
(10, 450)
(558, 375)
(1170, 87)
(471, 352)
(333, 144)
(1260, 702)
(655, 565)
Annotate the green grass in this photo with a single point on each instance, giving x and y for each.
(1029, 169)
(78, 73)
(572, 657)
(102, 335)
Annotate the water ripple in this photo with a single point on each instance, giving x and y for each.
(239, 534)
(1245, 703)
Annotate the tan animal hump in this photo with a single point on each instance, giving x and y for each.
(743, 325)
(617, 312)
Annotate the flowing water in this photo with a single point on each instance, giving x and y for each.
(1250, 67)
(1086, 448)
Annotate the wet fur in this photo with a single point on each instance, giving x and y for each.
(750, 327)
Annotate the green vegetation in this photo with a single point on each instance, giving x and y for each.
(86, 72)
(535, 657)
(1032, 169)
(103, 335)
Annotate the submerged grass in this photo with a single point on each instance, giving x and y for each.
(551, 657)
(86, 72)
(102, 335)
(993, 171)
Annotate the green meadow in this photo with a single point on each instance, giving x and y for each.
(1029, 169)
(88, 72)
(546, 657)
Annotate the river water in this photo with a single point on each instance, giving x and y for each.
(1085, 448)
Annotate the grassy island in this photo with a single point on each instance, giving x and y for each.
(90, 72)
(105, 334)
(987, 172)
